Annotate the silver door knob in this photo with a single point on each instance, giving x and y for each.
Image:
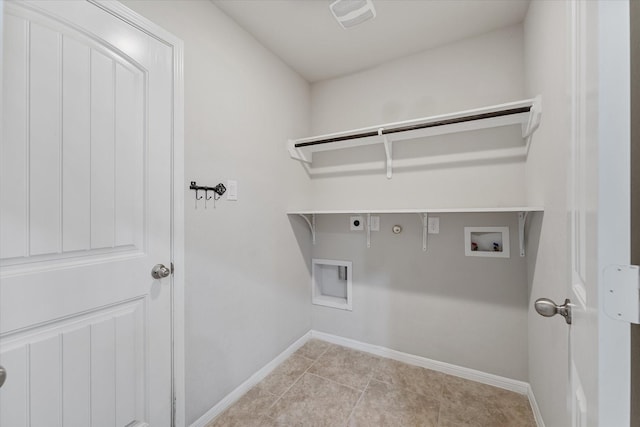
(548, 308)
(3, 375)
(159, 271)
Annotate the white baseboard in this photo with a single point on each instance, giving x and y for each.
(236, 394)
(447, 368)
(534, 407)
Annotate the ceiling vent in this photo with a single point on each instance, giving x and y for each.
(350, 13)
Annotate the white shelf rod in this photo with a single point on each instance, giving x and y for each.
(522, 220)
(312, 225)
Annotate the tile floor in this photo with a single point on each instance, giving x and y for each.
(327, 385)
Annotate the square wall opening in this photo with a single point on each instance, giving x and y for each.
(331, 283)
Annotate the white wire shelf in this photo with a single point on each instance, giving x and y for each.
(525, 113)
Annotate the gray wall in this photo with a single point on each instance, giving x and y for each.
(546, 59)
(471, 73)
(475, 72)
(247, 292)
(439, 304)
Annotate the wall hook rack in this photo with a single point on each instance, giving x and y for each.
(218, 191)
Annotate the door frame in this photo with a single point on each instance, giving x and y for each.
(614, 208)
(132, 18)
(634, 30)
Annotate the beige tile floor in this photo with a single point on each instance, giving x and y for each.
(327, 385)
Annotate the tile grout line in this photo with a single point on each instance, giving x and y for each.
(439, 396)
(278, 397)
(439, 412)
(359, 400)
(336, 382)
(441, 399)
(313, 361)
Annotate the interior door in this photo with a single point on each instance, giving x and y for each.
(599, 210)
(85, 330)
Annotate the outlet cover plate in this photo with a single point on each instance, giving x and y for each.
(232, 190)
(433, 225)
(375, 223)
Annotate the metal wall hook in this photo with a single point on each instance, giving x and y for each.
(218, 191)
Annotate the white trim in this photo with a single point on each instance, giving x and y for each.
(148, 27)
(179, 393)
(517, 386)
(611, 406)
(420, 210)
(254, 379)
(537, 415)
(318, 298)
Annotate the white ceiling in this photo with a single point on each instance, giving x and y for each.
(304, 34)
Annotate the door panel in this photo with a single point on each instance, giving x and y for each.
(85, 331)
(44, 144)
(76, 368)
(85, 114)
(44, 382)
(88, 367)
(76, 153)
(13, 158)
(14, 398)
(102, 151)
(583, 347)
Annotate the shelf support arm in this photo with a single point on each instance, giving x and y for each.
(522, 220)
(424, 217)
(296, 154)
(312, 225)
(388, 149)
(534, 121)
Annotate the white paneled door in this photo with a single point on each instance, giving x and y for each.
(85, 188)
(599, 343)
